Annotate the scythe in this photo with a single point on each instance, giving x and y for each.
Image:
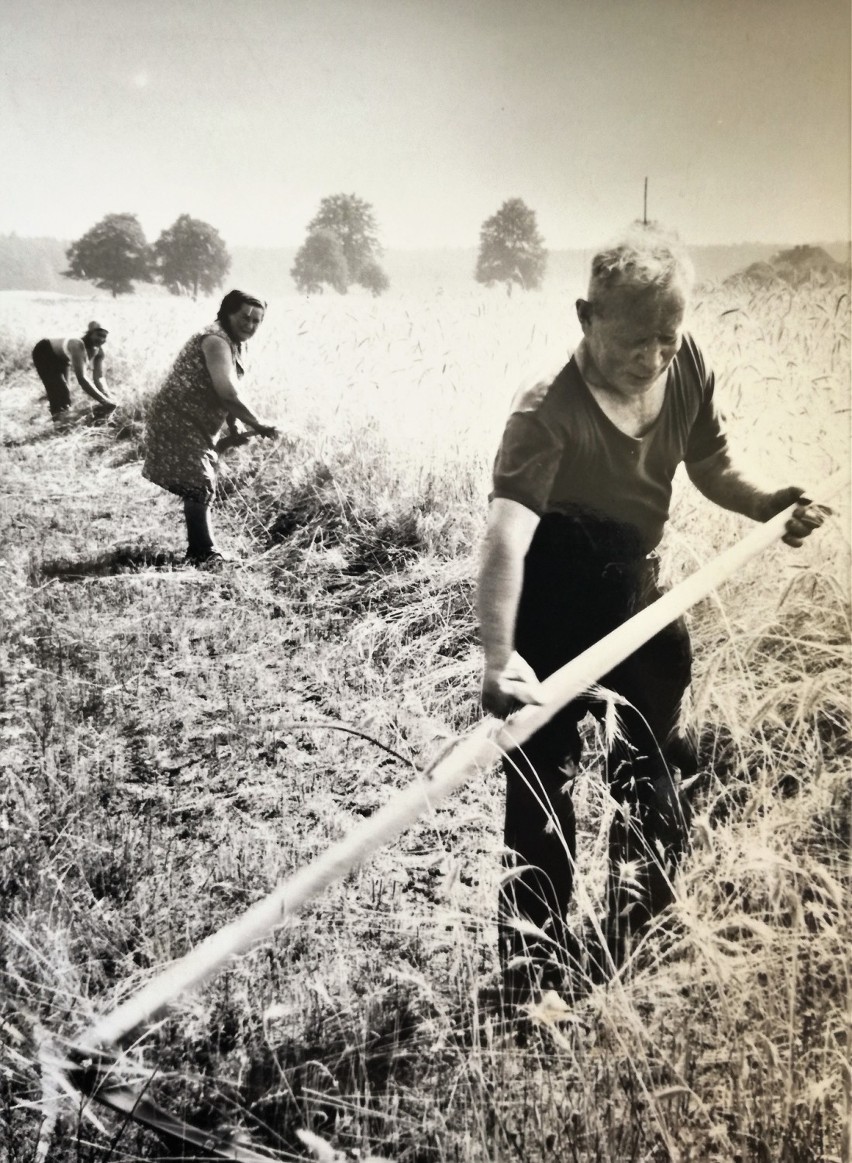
(474, 752)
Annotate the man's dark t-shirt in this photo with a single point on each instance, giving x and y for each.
(560, 453)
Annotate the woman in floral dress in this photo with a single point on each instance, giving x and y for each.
(187, 413)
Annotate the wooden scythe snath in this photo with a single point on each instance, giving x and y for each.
(474, 752)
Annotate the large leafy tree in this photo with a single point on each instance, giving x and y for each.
(113, 255)
(511, 250)
(190, 257)
(350, 220)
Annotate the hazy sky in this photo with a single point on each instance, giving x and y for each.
(247, 112)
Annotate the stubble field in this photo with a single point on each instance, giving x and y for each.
(172, 748)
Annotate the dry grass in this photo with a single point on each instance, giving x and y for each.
(168, 758)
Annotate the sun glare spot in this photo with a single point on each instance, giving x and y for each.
(140, 80)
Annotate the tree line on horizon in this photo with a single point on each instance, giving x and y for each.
(341, 249)
(188, 257)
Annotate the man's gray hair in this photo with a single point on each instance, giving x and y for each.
(644, 255)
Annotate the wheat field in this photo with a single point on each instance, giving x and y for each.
(175, 742)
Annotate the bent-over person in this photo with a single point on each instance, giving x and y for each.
(54, 359)
(185, 416)
(581, 494)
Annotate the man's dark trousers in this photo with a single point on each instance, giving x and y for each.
(583, 578)
(53, 373)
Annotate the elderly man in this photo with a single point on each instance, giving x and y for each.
(582, 487)
(53, 359)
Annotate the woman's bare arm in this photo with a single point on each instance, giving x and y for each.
(223, 373)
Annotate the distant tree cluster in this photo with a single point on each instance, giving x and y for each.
(188, 257)
(31, 264)
(796, 265)
(341, 248)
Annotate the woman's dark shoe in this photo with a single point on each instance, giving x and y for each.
(208, 560)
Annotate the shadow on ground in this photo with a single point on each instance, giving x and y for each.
(37, 437)
(71, 423)
(121, 560)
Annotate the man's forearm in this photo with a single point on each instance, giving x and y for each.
(727, 487)
(91, 390)
(498, 594)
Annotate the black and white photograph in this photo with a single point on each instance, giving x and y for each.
(425, 448)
